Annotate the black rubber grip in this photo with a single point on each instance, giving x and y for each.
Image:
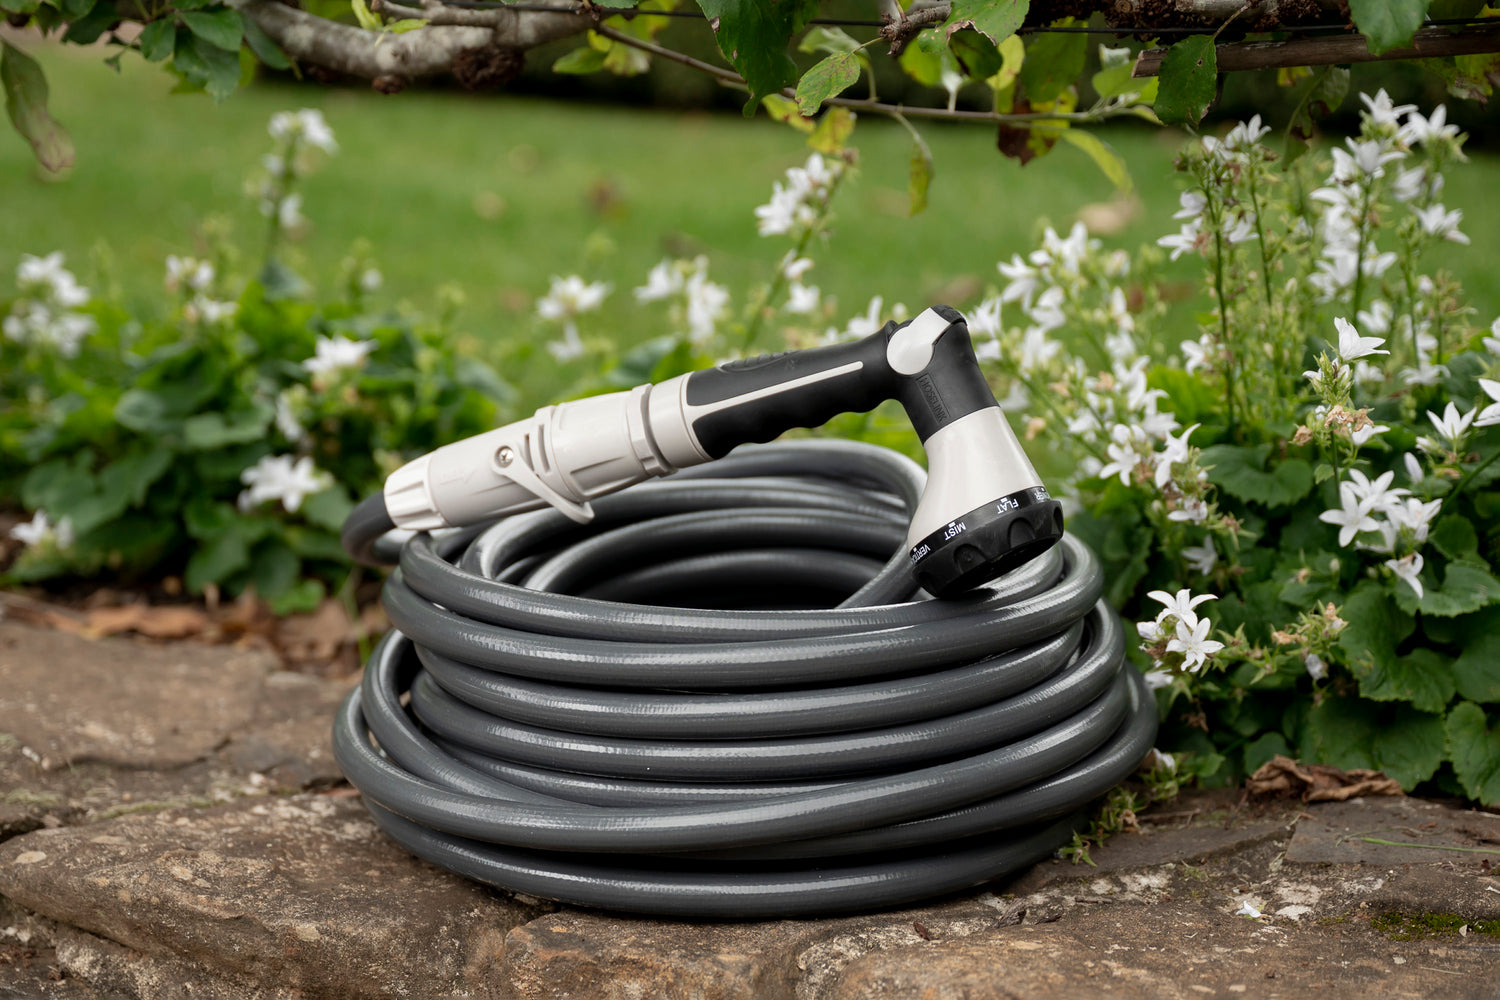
(757, 399)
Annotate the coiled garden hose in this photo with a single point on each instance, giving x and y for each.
(725, 698)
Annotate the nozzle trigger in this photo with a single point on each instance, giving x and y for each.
(509, 463)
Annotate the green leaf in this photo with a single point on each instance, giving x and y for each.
(264, 47)
(216, 559)
(134, 474)
(1474, 749)
(1241, 473)
(1347, 732)
(580, 62)
(87, 29)
(1465, 588)
(1117, 81)
(1189, 78)
(363, 15)
(215, 430)
(26, 103)
(52, 485)
(157, 39)
(782, 110)
(1477, 669)
(1263, 748)
(328, 508)
(1454, 537)
(833, 131)
(828, 40)
(1053, 62)
(753, 36)
(222, 28)
(73, 10)
(976, 54)
(1387, 24)
(302, 597)
(996, 19)
(828, 78)
(273, 568)
(919, 178)
(1369, 642)
(1103, 155)
(1324, 95)
(20, 6)
(206, 65)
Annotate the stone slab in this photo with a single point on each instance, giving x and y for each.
(1394, 831)
(300, 893)
(72, 700)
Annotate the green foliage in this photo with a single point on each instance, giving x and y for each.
(26, 103)
(753, 36)
(1388, 24)
(1189, 78)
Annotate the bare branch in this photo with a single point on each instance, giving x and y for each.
(1334, 50)
(429, 51)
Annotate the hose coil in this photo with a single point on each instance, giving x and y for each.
(722, 698)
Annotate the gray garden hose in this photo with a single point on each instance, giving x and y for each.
(550, 721)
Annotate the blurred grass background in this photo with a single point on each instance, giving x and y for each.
(497, 193)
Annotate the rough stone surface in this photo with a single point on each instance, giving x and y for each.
(148, 854)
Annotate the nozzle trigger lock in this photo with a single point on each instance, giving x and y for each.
(509, 463)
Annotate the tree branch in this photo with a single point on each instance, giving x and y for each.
(429, 51)
(1334, 50)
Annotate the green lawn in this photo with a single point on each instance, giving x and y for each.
(604, 191)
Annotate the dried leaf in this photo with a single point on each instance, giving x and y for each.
(1282, 776)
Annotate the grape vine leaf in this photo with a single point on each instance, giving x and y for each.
(996, 19)
(26, 102)
(753, 36)
(1189, 76)
(1388, 24)
(1474, 749)
(827, 78)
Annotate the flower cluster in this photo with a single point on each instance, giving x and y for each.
(284, 479)
(298, 136)
(193, 279)
(566, 300)
(697, 303)
(1177, 639)
(46, 313)
(799, 205)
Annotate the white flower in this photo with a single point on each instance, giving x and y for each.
(570, 347)
(289, 211)
(1246, 134)
(1036, 349)
(40, 530)
(1202, 558)
(1047, 311)
(780, 214)
(278, 477)
(1352, 517)
(1426, 373)
(370, 280)
(1415, 515)
(308, 125)
(1193, 643)
(571, 296)
(1407, 568)
(1021, 280)
(1157, 679)
(1451, 426)
(801, 298)
(1351, 345)
(1410, 183)
(984, 319)
(1242, 229)
(1246, 910)
(1193, 510)
(1182, 241)
(40, 273)
(1193, 203)
(1382, 111)
(1362, 436)
(1438, 221)
(1490, 415)
(1194, 354)
(1181, 604)
(1376, 492)
(1492, 342)
(1316, 668)
(1175, 450)
(863, 326)
(334, 353)
(1413, 467)
(209, 310)
(286, 420)
(795, 267)
(706, 303)
(1425, 130)
(664, 281)
(1148, 631)
(1377, 318)
(1124, 452)
(196, 274)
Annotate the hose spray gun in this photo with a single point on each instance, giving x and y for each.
(984, 510)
